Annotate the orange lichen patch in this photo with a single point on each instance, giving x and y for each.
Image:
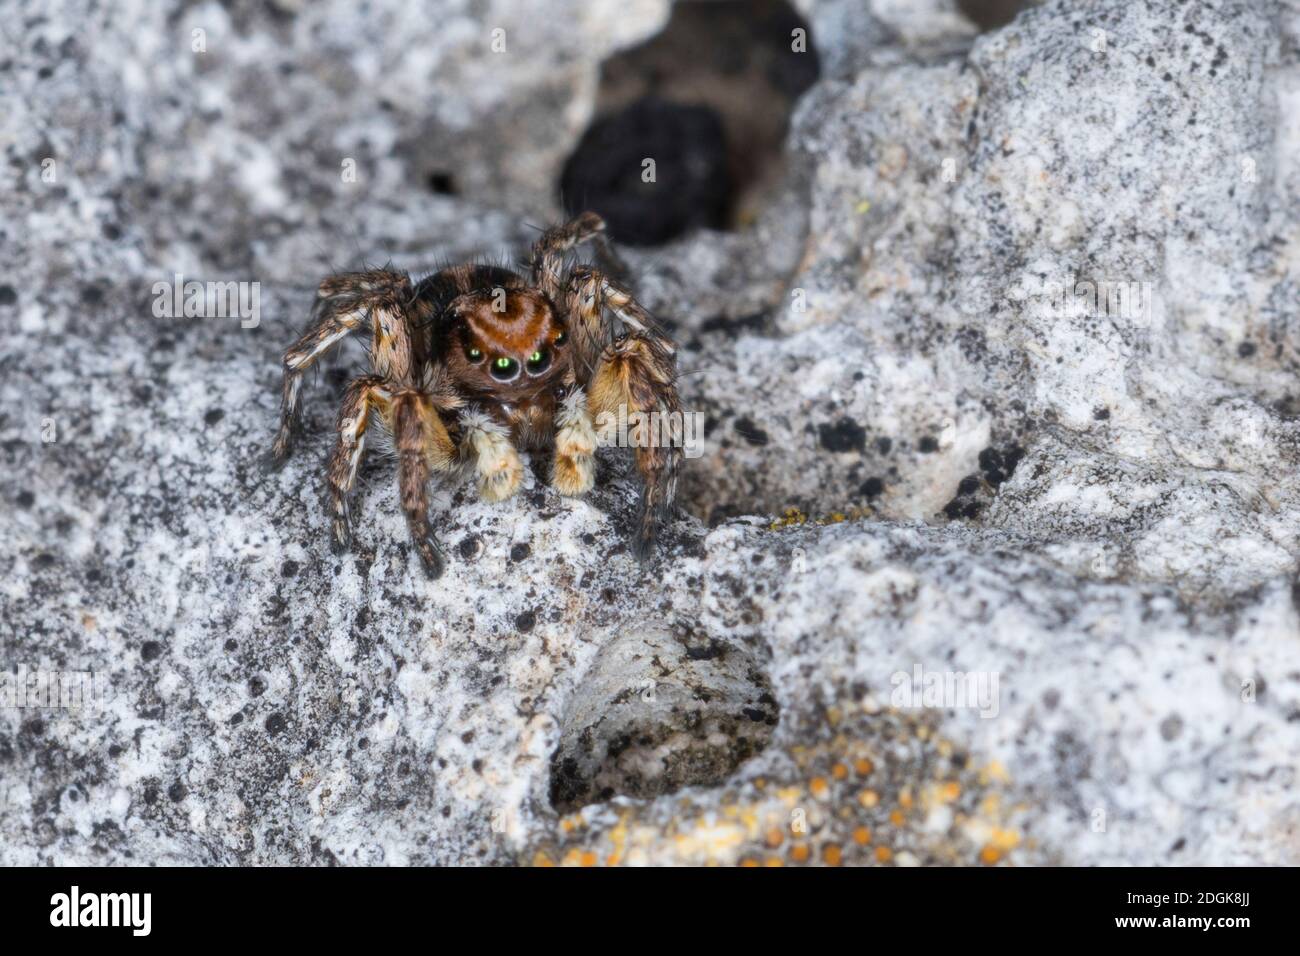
(792, 517)
(587, 859)
(790, 796)
(994, 773)
(924, 809)
(88, 621)
(1004, 839)
(541, 859)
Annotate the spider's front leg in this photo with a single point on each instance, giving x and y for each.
(546, 264)
(344, 304)
(634, 380)
(365, 398)
(423, 446)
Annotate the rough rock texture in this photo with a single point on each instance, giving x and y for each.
(1092, 511)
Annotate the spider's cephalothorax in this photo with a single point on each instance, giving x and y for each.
(475, 362)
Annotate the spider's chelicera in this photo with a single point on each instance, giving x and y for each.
(475, 362)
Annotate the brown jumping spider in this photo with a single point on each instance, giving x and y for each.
(474, 362)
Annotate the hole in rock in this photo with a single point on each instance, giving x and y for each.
(441, 183)
(689, 126)
(991, 14)
(658, 712)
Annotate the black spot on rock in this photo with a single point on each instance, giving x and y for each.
(25, 499)
(289, 569)
(747, 430)
(213, 416)
(151, 650)
(929, 444)
(520, 552)
(276, 724)
(524, 622)
(7, 295)
(871, 487)
(844, 435)
(176, 792)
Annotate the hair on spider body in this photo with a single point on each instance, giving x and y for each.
(477, 362)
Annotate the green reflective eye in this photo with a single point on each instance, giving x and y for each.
(535, 357)
(503, 369)
(475, 354)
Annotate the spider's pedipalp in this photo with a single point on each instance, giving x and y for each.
(487, 444)
(344, 304)
(573, 471)
(364, 399)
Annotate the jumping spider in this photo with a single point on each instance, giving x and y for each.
(474, 362)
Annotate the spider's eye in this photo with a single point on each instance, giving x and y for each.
(538, 362)
(504, 369)
(474, 355)
(559, 339)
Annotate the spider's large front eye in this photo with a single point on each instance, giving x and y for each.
(538, 362)
(504, 369)
(559, 339)
(474, 355)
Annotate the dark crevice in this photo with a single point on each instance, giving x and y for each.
(992, 14)
(689, 126)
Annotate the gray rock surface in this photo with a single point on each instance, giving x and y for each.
(920, 457)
